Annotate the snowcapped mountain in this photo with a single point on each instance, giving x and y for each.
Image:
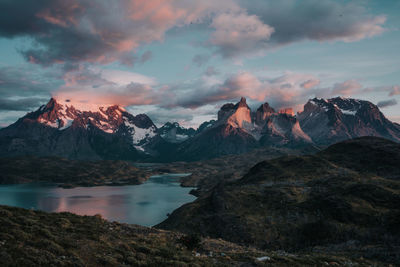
(112, 120)
(58, 128)
(174, 133)
(331, 120)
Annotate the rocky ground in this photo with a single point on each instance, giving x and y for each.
(35, 238)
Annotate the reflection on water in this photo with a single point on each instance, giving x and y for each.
(146, 204)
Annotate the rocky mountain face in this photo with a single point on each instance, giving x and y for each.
(344, 199)
(230, 134)
(59, 129)
(239, 130)
(328, 121)
(174, 133)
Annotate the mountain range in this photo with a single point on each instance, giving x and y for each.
(60, 129)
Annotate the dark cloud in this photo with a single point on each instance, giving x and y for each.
(26, 104)
(321, 20)
(19, 18)
(387, 103)
(98, 31)
(27, 81)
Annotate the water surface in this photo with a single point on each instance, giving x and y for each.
(146, 204)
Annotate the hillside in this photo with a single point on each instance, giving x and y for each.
(345, 199)
(34, 238)
(69, 173)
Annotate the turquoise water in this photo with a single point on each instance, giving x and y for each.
(146, 204)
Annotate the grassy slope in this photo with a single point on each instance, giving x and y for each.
(32, 238)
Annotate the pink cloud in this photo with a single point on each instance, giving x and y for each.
(346, 88)
(310, 84)
(239, 33)
(395, 90)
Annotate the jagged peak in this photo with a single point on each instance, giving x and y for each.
(266, 107)
(242, 103)
(286, 111)
(52, 104)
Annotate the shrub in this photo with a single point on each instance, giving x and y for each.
(191, 241)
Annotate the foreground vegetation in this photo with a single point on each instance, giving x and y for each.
(33, 238)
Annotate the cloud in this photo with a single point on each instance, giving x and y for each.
(239, 33)
(26, 81)
(387, 103)
(93, 86)
(162, 115)
(104, 31)
(319, 20)
(310, 84)
(146, 56)
(395, 90)
(285, 90)
(96, 31)
(201, 59)
(25, 104)
(346, 88)
(211, 71)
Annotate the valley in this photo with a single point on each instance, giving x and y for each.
(296, 208)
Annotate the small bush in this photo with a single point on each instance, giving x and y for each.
(191, 241)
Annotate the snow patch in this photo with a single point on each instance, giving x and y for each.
(67, 123)
(181, 137)
(140, 148)
(49, 123)
(264, 258)
(349, 112)
(139, 134)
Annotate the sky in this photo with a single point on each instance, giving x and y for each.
(180, 60)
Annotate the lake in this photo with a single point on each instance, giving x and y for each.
(147, 204)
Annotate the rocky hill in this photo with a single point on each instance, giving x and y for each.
(343, 199)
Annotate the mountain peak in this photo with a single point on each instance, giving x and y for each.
(242, 103)
(287, 111)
